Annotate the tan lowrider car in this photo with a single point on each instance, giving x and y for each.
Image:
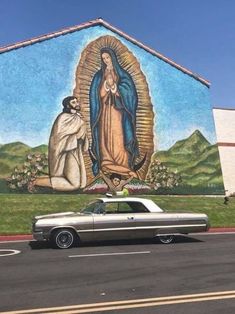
(116, 218)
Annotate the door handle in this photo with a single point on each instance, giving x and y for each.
(130, 218)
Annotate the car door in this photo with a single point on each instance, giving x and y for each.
(144, 220)
(148, 224)
(115, 221)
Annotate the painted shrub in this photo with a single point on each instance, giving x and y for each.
(143, 120)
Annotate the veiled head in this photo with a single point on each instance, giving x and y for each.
(108, 58)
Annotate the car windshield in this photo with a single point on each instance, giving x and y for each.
(93, 207)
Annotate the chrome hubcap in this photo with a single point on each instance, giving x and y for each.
(64, 239)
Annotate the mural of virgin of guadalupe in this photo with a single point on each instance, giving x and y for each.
(113, 105)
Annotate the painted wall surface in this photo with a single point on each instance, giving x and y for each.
(225, 130)
(164, 118)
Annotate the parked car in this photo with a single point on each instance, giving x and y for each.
(116, 218)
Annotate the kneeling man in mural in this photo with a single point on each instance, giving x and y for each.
(68, 141)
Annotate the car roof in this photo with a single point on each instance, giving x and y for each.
(146, 202)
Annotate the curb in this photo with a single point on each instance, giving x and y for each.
(229, 229)
(29, 237)
(18, 237)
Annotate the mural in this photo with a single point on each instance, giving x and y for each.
(133, 123)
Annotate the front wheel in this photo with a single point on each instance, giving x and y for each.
(166, 239)
(63, 238)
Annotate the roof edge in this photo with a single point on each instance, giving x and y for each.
(220, 108)
(112, 28)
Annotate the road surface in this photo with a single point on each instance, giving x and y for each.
(194, 275)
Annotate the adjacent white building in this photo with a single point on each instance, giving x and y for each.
(225, 131)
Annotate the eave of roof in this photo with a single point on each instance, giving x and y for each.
(100, 21)
(220, 108)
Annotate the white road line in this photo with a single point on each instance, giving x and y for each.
(9, 252)
(111, 254)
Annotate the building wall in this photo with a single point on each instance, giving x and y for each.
(174, 123)
(225, 131)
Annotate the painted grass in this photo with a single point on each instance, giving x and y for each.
(17, 211)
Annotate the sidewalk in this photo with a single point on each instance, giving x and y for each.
(29, 237)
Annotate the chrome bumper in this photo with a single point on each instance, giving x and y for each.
(38, 236)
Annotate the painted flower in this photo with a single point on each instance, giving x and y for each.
(29, 157)
(19, 184)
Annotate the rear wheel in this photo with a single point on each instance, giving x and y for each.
(63, 238)
(166, 239)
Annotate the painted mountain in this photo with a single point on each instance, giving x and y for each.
(196, 161)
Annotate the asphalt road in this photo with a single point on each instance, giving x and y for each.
(202, 266)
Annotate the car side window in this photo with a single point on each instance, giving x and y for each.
(138, 207)
(92, 207)
(124, 207)
(110, 208)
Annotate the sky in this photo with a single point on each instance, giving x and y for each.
(197, 34)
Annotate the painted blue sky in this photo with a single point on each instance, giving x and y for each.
(199, 35)
(39, 76)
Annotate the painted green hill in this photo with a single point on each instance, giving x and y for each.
(194, 144)
(16, 148)
(43, 149)
(14, 154)
(195, 159)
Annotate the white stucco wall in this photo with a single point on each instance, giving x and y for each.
(225, 132)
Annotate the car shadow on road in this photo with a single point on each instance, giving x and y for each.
(39, 245)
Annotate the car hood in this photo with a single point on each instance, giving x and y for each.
(56, 215)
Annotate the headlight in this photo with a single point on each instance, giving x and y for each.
(35, 227)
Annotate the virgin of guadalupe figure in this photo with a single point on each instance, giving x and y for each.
(113, 105)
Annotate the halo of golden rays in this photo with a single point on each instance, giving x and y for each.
(89, 64)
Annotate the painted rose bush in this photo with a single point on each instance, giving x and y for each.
(159, 176)
(22, 178)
